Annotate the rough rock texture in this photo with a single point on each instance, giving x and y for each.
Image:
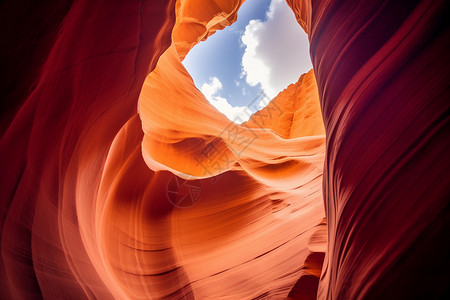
(91, 204)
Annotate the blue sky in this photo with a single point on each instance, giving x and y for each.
(263, 51)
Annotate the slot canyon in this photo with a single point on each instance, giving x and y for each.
(119, 180)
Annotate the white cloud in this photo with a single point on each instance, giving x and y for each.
(276, 51)
(236, 114)
(263, 103)
(212, 88)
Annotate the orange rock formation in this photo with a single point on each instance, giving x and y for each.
(120, 181)
(257, 192)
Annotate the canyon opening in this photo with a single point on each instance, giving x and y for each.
(260, 149)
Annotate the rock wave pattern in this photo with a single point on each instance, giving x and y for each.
(120, 181)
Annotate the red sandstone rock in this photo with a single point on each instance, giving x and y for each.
(91, 206)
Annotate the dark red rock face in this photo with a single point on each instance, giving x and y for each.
(73, 73)
(85, 215)
(382, 70)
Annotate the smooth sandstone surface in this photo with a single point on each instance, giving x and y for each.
(382, 74)
(119, 180)
(259, 193)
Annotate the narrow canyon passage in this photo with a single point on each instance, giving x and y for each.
(121, 181)
(259, 185)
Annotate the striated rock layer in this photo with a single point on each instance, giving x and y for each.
(92, 59)
(382, 70)
(93, 207)
(294, 112)
(119, 180)
(239, 228)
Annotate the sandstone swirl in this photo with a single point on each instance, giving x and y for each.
(253, 198)
(119, 180)
(382, 74)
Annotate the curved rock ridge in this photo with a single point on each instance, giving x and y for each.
(84, 216)
(306, 286)
(214, 145)
(242, 197)
(294, 112)
(89, 60)
(120, 181)
(196, 22)
(382, 70)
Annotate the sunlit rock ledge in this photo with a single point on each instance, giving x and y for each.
(102, 127)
